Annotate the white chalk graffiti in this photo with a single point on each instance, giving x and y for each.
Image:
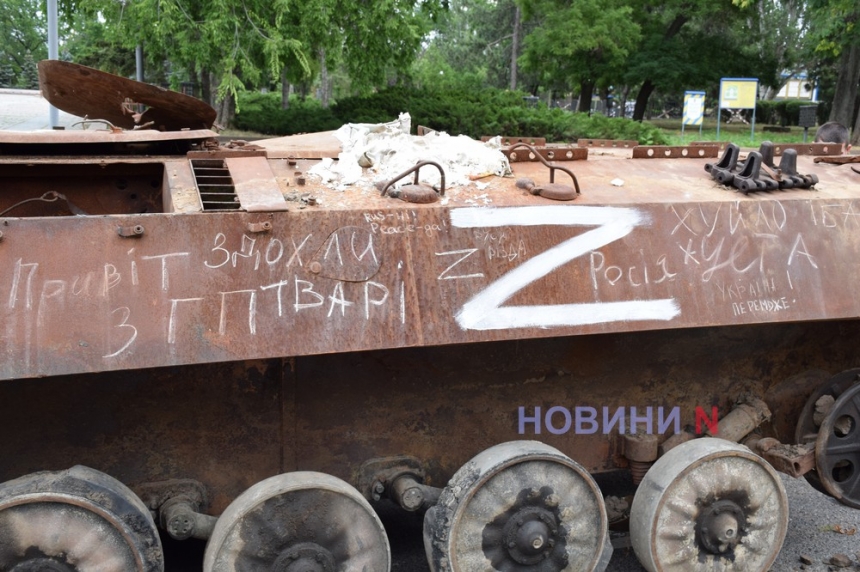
(484, 311)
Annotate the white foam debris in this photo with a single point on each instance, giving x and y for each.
(388, 150)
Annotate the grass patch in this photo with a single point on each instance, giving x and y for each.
(739, 134)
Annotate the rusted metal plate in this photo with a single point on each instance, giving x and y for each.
(218, 424)
(674, 152)
(72, 144)
(305, 146)
(255, 184)
(508, 140)
(181, 194)
(30, 189)
(478, 390)
(808, 148)
(609, 143)
(87, 92)
(778, 148)
(794, 460)
(358, 271)
(841, 160)
(201, 288)
(224, 153)
(231, 425)
(548, 153)
(77, 136)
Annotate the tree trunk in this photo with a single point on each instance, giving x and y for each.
(226, 111)
(324, 87)
(206, 86)
(194, 80)
(622, 105)
(586, 90)
(642, 100)
(855, 135)
(285, 90)
(846, 86)
(648, 87)
(515, 48)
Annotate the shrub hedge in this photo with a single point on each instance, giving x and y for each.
(468, 112)
(779, 112)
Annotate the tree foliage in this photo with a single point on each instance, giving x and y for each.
(250, 43)
(583, 42)
(23, 31)
(625, 47)
(471, 46)
(781, 30)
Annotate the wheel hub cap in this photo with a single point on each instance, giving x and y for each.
(530, 535)
(304, 557)
(720, 526)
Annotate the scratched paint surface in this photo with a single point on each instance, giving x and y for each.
(203, 288)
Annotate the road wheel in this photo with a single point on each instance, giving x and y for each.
(78, 520)
(298, 522)
(518, 506)
(709, 505)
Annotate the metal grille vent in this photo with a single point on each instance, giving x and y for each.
(215, 185)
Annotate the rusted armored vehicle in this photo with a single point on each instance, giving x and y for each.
(219, 341)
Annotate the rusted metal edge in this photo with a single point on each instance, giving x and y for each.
(88, 92)
(255, 184)
(613, 143)
(778, 148)
(548, 153)
(794, 460)
(808, 148)
(226, 153)
(70, 136)
(679, 152)
(508, 140)
(304, 154)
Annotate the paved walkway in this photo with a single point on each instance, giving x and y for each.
(27, 110)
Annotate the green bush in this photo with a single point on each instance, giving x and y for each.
(779, 112)
(456, 111)
(261, 112)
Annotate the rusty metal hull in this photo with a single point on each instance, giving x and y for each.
(227, 347)
(202, 288)
(232, 425)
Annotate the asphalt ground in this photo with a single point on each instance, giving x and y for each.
(819, 527)
(27, 110)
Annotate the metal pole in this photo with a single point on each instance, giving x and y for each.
(752, 129)
(138, 58)
(719, 113)
(53, 54)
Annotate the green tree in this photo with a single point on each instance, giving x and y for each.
(251, 43)
(582, 42)
(22, 31)
(837, 37)
(7, 76)
(779, 29)
(29, 76)
(89, 43)
(684, 43)
(475, 43)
